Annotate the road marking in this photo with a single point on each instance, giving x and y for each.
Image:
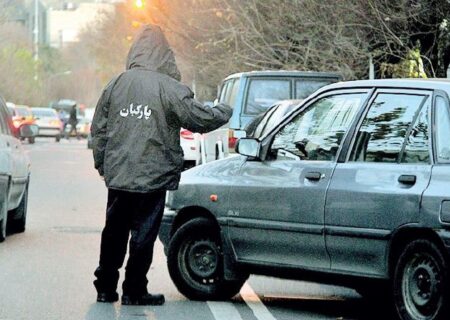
(252, 300)
(223, 310)
(227, 311)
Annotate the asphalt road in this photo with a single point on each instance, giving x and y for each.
(46, 273)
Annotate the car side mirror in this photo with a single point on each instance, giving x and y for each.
(248, 147)
(28, 130)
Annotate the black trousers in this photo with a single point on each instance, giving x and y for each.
(139, 214)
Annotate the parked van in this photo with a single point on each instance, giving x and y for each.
(252, 93)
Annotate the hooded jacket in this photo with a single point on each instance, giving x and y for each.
(137, 121)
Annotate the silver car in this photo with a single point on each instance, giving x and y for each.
(48, 122)
(14, 173)
(352, 188)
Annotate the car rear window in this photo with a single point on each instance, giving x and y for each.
(262, 93)
(44, 113)
(304, 88)
(23, 112)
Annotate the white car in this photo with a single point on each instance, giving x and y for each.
(14, 173)
(190, 143)
(48, 122)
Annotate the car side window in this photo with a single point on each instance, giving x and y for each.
(318, 131)
(225, 90)
(442, 120)
(383, 131)
(417, 148)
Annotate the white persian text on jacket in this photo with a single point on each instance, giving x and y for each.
(136, 111)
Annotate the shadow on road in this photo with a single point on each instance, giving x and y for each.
(353, 308)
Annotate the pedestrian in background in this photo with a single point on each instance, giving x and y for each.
(73, 121)
(136, 146)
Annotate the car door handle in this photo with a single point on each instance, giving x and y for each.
(313, 176)
(407, 179)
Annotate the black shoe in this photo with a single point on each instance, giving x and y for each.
(107, 297)
(144, 300)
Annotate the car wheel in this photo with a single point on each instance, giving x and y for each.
(195, 262)
(421, 283)
(31, 140)
(57, 138)
(17, 222)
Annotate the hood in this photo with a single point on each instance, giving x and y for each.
(151, 51)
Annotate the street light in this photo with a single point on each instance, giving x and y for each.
(139, 4)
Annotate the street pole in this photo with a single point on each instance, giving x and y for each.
(36, 37)
(371, 68)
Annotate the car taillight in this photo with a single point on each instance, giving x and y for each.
(55, 123)
(231, 139)
(17, 123)
(186, 134)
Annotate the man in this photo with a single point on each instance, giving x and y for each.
(136, 132)
(73, 121)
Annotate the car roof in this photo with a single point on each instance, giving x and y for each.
(429, 84)
(285, 73)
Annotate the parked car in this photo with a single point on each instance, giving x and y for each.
(351, 188)
(251, 94)
(48, 122)
(190, 143)
(21, 115)
(14, 173)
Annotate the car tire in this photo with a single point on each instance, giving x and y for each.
(195, 262)
(420, 284)
(17, 222)
(57, 138)
(31, 140)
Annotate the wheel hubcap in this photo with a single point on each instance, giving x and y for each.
(203, 258)
(422, 287)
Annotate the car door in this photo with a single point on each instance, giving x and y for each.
(378, 187)
(17, 164)
(276, 213)
(5, 155)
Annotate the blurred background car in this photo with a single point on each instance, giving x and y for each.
(190, 143)
(49, 123)
(21, 115)
(14, 173)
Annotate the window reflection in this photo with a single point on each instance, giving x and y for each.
(417, 145)
(383, 131)
(442, 130)
(317, 132)
(263, 93)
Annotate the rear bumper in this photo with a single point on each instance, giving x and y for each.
(49, 132)
(165, 231)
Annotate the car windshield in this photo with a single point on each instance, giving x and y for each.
(23, 112)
